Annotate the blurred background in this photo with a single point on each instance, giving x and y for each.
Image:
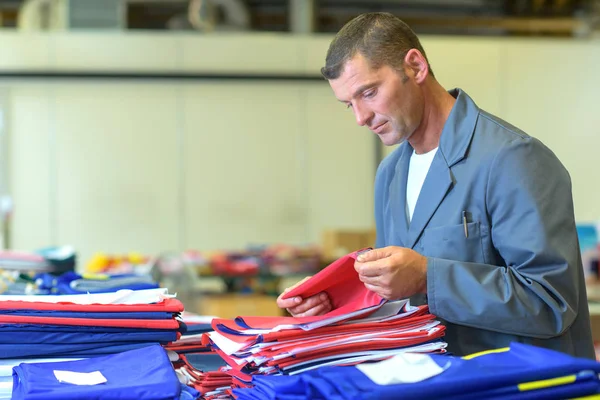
(195, 141)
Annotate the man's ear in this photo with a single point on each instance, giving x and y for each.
(416, 62)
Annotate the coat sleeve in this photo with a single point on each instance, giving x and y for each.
(530, 212)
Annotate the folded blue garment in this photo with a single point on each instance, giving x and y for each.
(47, 335)
(67, 349)
(205, 361)
(194, 329)
(488, 375)
(73, 283)
(138, 374)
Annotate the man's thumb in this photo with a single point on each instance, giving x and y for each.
(370, 255)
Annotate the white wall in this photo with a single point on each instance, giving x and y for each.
(149, 166)
(554, 96)
(169, 166)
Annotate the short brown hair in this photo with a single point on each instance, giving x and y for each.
(381, 38)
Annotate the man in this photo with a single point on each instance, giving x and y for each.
(473, 216)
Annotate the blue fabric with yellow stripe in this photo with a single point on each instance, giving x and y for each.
(566, 387)
(518, 372)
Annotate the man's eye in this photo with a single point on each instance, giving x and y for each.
(369, 94)
(349, 105)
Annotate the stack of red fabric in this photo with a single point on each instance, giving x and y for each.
(362, 327)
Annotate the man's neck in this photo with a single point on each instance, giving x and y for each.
(438, 105)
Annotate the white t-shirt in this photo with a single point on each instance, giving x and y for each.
(417, 172)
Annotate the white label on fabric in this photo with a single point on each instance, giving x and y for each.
(80, 378)
(403, 368)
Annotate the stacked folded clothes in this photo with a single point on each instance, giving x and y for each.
(196, 365)
(191, 340)
(51, 259)
(87, 325)
(518, 372)
(92, 327)
(136, 374)
(362, 327)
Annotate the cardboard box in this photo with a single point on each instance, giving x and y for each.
(339, 242)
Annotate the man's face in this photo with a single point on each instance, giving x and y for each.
(386, 101)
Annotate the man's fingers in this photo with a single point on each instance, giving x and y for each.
(309, 303)
(321, 309)
(377, 290)
(293, 301)
(375, 254)
(371, 280)
(370, 268)
(288, 303)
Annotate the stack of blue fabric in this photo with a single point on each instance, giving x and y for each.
(137, 374)
(79, 326)
(518, 372)
(74, 283)
(35, 329)
(113, 339)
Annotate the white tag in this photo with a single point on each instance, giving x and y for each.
(403, 368)
(80, 378)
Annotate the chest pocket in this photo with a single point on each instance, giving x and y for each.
(449, 242)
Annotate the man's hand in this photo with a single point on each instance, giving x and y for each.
(393, 272)
(318, 304)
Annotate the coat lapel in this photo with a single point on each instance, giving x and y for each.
(436, 186)
(397, 204)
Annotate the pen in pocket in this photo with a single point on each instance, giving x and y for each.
(464, 217)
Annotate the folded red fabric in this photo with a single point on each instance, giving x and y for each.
(340, 281)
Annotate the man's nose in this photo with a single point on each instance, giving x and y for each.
(363, 116)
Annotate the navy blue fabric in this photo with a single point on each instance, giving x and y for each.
(193, 329)
(492, 374)
(50, 336)
(523, 363)
(241, 323)
(205, 361)
(67, 350)
(138, 374)
(226, 329)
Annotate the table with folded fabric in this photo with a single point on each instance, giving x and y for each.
(117, 336)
